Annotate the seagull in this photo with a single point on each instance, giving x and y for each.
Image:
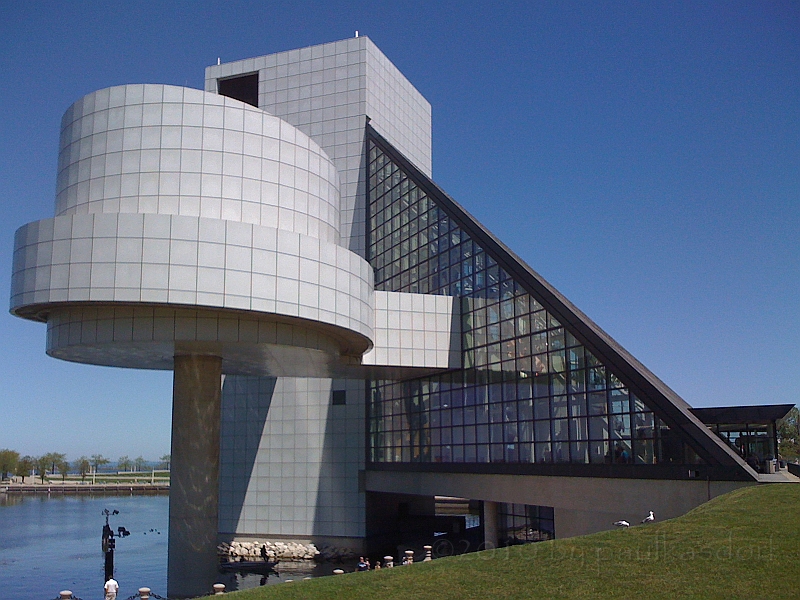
(649, 518)
(622, 523)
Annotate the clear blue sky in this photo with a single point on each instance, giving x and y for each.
(644, 157)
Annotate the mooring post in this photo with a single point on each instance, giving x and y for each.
(428, 553)
(219, 589)
(65, 594)
(144, 593)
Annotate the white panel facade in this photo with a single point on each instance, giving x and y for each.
(180, 260)
(329, 92)
(177, 151)
(416, 330)
(287, 461)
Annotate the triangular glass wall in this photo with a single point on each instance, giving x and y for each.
(530, 392)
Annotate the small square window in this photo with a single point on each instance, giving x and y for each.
(338, 397)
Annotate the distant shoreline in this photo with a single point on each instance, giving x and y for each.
(82, 488)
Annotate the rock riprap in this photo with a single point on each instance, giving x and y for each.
(276, 551)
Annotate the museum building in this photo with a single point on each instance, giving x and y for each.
(382, 354)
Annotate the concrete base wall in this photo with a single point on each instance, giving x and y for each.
(582, 504)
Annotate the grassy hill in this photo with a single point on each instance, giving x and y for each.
(745, 544)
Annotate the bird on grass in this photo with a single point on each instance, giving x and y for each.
(649, 518)
(622, 523)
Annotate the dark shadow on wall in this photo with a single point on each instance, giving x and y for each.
(245, 406)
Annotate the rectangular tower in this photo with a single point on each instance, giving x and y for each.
(292, 450)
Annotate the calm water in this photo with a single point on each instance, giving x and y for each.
(52, 543)
(49, 544)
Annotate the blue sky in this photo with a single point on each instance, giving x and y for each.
(644, 157)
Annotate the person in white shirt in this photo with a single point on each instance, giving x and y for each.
(111, 587)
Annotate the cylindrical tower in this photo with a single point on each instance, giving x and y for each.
(197, 233)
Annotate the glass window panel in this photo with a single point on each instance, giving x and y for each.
(541, 408)
(579, 429)
(543, 454)
(598, 452)
(598, 428)
(539, 321)
(469, 434)
(497, 453)
(558, 361)
(561, 452)
(596, 378)
(556, 339)
(539, 364)
(483, 453)
(494, 353)
(577, 405)
(541, 431)
(509, 410)
(521, 305)
(559, 407)
(524, 346)
(559, 383)
(622, 452)
(458, 453)
(541, 385)
(493, 313)
(638, 405)
(571, 340)
(575, 358)
(577, 381)
(620, 426)
(539, 343)
(507, 309)
(644, 425)
(614, 382)
(619, 401)
(579, 452)
(561, 429)
(524, 409)
(458, 435)
(644, 452)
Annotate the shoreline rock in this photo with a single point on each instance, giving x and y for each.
(276, 551)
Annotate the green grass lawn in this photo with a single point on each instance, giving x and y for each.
(745, 544)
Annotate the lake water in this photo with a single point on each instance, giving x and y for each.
(52, 543)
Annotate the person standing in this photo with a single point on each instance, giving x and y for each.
(111, 587)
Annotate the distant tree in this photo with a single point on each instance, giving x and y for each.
(41, 463)
(63, 468)
(789, 435)
(165, 460)
(8, 462)
(124, 464)
(55, 459)
(140, 463)
(24, 467)
(98, 460)
(82, 466)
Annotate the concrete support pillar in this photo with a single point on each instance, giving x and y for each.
(194, 486)
(489, 524)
